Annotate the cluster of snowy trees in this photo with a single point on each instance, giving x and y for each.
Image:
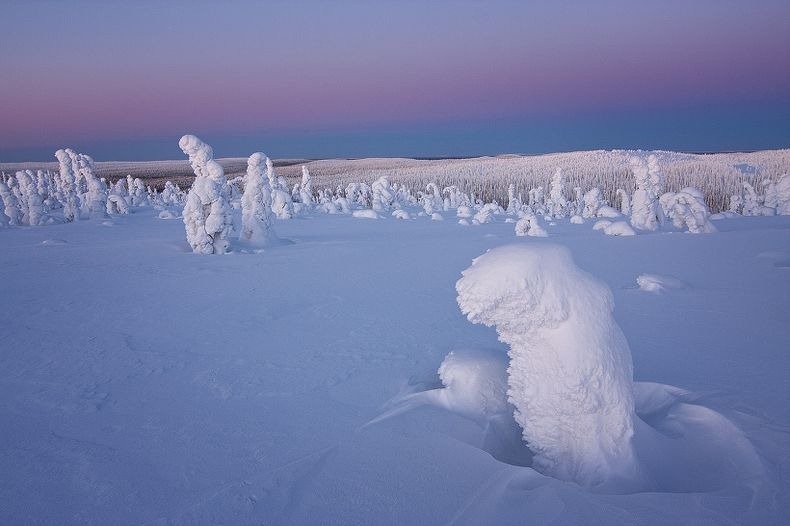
(641, 204)
(72, 193)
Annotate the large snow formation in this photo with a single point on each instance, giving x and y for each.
(570, 375)
(207, 213)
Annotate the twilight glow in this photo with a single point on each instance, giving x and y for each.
(333, 79)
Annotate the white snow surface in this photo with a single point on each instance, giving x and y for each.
(144, 384)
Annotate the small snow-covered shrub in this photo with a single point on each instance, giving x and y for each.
(619, 228)
(530, 226)
(117, 204)
(365, 214)
(570, 377)
(399, 213)
(577, 220)
(657, 284)
(602, 224)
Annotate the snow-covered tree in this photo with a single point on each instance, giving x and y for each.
(537, 200)
(529, 225)
(593, 201)
(751, 203)
(570, 377)
(783, 195)
(68, 187)
(11, 207)
(384, 195)
(687, 208)
(94, 199)
(306, 189)
(257, 219)
(282, 203)
(557, 205)
(514, 204)
(32, 205)
(207, 213)
(625, 202)
(646, 213)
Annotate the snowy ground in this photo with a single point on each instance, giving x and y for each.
(142, 384)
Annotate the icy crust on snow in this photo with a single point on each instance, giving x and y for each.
(570, 374)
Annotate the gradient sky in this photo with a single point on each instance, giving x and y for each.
(124, 80)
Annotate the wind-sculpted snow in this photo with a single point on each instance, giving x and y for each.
(570, 373)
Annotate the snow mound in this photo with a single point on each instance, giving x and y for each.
(607, 211)
(570, 375)
(54, 242)
(399, 213)
(577, 220)
(365, 214)
(436, 216)
(656, 283)
(475, 383)
(167, 214)
(619, 228)
(602, 224)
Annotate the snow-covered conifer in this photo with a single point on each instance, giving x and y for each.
(256, 215)
(68, 187)
(593, 200)
(557, 205)
(751, 203)
(282, 204)
(306, 189)
(783, 195)
(207, 213)
(32, 205)
(625, 202)
(646, 213)
(94, 200)
(11, 205)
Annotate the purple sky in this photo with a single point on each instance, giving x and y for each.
(126, 79)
